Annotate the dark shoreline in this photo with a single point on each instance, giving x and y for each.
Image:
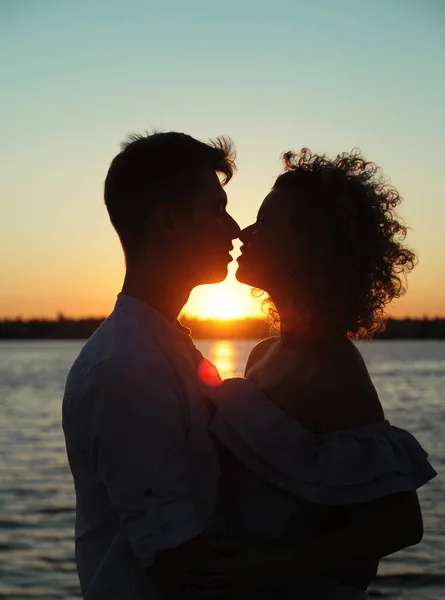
(235, 329)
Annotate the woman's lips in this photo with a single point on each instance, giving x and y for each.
(244, 252)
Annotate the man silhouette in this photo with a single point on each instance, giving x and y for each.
(135, 422)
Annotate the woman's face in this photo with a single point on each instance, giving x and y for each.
(268, 250)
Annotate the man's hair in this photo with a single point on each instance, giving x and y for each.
(159, 168)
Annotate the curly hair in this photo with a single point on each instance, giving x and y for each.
(349, 238)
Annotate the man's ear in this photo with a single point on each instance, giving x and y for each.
(163, 219)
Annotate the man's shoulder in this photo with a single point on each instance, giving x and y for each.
(120, 337)
(116, 348)
(121, 365)
(117, 381)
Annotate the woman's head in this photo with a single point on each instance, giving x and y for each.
(328, 240)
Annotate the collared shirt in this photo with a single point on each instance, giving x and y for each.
(145, 470)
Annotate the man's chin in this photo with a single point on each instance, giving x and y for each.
(216, 275)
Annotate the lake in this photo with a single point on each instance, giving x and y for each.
(36, 490)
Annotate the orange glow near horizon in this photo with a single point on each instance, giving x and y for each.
(226, 300)
(90, 292)
(220, 304)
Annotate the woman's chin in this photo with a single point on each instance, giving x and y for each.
(243, 275)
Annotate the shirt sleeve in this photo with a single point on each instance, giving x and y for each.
(138, 436)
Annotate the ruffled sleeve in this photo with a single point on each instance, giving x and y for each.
(345, 467)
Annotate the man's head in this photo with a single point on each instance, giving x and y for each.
(166, 202)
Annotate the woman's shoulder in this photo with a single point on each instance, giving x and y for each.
(345, 464)
(343, 395)
(330, 391)
(259, 350)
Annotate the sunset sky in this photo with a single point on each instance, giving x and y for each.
(77, 77)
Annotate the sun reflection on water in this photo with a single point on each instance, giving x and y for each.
(223, 357)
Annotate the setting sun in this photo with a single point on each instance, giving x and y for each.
(226, 300)
(220, 304)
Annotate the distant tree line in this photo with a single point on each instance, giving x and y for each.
(64, 328)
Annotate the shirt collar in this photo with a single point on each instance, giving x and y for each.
(146, 313)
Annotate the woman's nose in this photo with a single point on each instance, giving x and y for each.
(245, 234)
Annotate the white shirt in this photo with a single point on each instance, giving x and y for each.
(145, 470)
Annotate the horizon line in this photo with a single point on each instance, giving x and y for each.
(62, 317)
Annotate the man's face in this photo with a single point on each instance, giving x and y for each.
(204, 237)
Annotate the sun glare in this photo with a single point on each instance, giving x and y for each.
(227, 300)
(222, 304)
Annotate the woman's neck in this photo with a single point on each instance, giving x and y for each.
(300, 327)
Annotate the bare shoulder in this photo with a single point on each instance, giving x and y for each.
(344, 395)
(258, 351)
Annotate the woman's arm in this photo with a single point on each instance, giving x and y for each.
(373, 530)
(370, 531)
(342, 397)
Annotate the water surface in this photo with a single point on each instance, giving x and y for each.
(36, 490)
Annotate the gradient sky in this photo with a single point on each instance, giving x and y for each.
(76, 77)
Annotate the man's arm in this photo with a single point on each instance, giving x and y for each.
(138, 441)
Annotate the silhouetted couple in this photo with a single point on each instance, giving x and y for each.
(288, 483)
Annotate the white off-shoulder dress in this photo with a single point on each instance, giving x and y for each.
(280, 479)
